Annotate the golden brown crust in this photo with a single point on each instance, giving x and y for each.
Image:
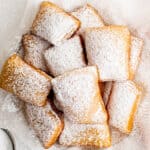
(134, 109)
(128, 54)
(4, 74)
(96, 135)
(26, 82)
(55, 135)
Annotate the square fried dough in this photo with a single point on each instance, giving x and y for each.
(123, 103)
(34, 48)
(45, 122)
(79, 95)
(53, 23)
(88, 16)
(65, 57)
(27, 83)
(96, 135)
(109, 48)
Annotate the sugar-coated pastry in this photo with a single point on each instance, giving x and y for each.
(34, 48)
(136, 49)
(88, 16)
(123, 103)
(53, 23)
(79, 95)
(107, 91)
(109, 48)
(65, 57)
(45, 122)
(97, 135)
(29, 84)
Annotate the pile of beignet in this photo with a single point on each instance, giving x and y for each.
(87, 65)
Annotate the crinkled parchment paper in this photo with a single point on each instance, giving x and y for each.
(15, 19)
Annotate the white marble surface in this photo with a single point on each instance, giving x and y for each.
(15, 19)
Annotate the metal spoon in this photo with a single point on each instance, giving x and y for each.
(8, 135)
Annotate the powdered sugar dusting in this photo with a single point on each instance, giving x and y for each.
(85, 134)
(136, 49)
(98, 116)
(79, 96)
(114, 12)
(108, 48)
(65, 57)
(88, 17)
(44, 121)
(53, 23)
(121, 103)
(25, 82)
(34, 48)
